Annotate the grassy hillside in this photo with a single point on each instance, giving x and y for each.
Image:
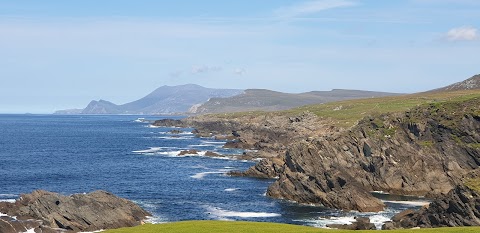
(252, 227)
(267, 100)
(348, 113)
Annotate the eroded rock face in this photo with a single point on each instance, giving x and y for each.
(79, 212)
(422, 152)
(460, 207)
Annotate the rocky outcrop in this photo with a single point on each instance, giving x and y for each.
(425, 151)
(469, 84)
(48, 211)
(188, 152)
(460, 207)
(265, 169)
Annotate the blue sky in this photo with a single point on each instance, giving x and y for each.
(62, 54)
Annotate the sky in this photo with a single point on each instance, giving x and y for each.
(63, 54)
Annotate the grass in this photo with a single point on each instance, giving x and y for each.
(352, 111)
(244, 227)
(347, 113)
(473, 184)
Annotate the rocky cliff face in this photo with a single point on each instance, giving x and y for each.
(469, 84)
(51, 212)
(421, 152)
(460, 207)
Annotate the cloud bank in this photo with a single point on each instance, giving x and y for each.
(464, 33)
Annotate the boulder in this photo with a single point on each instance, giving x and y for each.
(361, 223)
(188, 152)
(79, 212)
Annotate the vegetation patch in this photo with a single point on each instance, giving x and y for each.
(252, 227)
(474, 184)
(426, 143)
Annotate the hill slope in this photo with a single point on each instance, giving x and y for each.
(469, 84)
(163, 100)
(266, 100)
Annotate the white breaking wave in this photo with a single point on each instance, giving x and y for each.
(213, 142)
(221, 213)
(155, 220)
(151, 150)
(230, 189)
(175, 138)
(8, 200)
(31, 231)
(379, 220)
(201, 175)
(412, 203)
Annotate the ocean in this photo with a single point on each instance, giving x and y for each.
(130, 158)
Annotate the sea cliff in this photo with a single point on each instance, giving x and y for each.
(426, 150)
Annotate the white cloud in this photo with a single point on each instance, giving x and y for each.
(464, 33)
(239, 71)
(311, 7)
(205, 69)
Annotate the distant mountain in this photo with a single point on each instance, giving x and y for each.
(266, 100)
(469, 84)
(163, 100)
(69, 111)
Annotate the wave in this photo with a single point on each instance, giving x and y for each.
(151, 150)
(201, 175)
(8, 200)
(174, 138)
(218, 212)
(231, 189)
(213, 142)
(155, 220)
(411, 203)
(379, 220)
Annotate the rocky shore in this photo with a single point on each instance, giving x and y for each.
(45, 211)
(460, 207)
(425, 151)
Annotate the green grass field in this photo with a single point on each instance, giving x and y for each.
(348, 113)
(244, 227)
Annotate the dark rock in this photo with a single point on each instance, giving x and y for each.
(175, 131)
(266, 169)
(388, 226)
(169, 123)
(188, 152)
(460, 207)
(238, 144)
(212, 154)
(78, 212)
(361, 223)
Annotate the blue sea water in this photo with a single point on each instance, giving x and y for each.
(81, 153)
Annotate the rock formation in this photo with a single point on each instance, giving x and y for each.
(425, 151)
(48, 211)
(460, 207)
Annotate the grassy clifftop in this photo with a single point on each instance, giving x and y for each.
(252, 227)
(348, 113)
